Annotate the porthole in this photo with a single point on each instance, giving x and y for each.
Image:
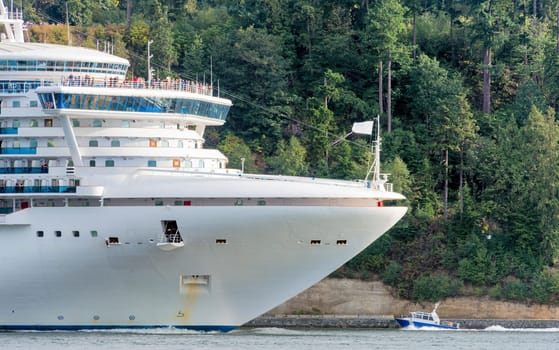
(76, 233)
(58, 233)
(131, 317)
(60, 317)
(96, 318)
(93, 233)
(40, 233)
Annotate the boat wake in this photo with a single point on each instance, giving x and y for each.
(276, 331)
(498, 328)
(148, 331)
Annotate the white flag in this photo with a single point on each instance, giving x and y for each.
(365, 128)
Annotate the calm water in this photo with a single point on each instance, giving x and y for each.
(494, 338)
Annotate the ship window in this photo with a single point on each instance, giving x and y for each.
(341, 242)
(158, 202)
(93, 143)
(115, 143)
(112, 240)
(239, 202)
(93, 233)
(92, 163)
(315, 242)
(125, 124)
(48, 123)
(261, 202)
(75, 123)
(33, 123)
(15, 124)
(40, 233)
(97, 123)
(220, 241)
(109, 163)
(33, 143)
(152, 163)
(58, 233)
(16, 104)
(33, 103)
(51, 143)
(76, 233)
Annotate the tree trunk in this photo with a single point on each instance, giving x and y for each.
(558, 28)
(380, 105)
(445, 195)
(389, 94)
(535, 8)
(487, 81)
(461, 184)
(128, 13)
(414, 40)
(452, 48)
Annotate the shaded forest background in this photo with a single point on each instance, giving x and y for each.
(467, 92)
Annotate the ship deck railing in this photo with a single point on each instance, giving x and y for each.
(19, 86)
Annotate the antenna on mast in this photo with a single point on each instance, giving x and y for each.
(375, 167)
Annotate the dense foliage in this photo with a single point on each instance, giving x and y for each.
(467, 92)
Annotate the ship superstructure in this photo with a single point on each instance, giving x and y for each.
(113, 214)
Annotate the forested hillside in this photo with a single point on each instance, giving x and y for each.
(467, 92)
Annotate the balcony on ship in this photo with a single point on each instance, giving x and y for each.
(8, 131)
(18, 150)
(37, 189)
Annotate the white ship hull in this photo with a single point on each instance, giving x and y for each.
(79, 282)
(113, 214)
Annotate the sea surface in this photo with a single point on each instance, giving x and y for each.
(494, 338)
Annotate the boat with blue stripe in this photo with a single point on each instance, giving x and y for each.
(422, 319)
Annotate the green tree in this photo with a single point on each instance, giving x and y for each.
(289, 158)
(238, 153)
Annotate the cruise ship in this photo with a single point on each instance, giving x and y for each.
(114, 215)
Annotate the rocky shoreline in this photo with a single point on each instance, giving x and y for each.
(379, 322)
(347, 303)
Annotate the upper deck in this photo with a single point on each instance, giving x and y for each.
(168, 96)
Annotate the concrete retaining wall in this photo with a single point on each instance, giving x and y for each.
(364, 321)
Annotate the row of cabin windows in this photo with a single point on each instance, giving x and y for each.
(152, 163)
(32, 103)
(152, 143)
(48, 123)
(76, 234)
(33, 144)
(34, 123)
(98, 123)
(95, 143)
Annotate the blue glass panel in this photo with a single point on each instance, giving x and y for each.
(8, 131)
(18, 150)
